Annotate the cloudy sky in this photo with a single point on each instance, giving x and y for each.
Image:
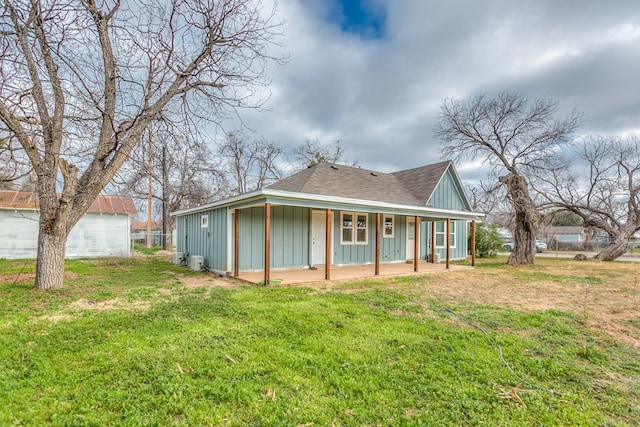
(373, 73)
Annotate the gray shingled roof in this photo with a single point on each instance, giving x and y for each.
(410, 187)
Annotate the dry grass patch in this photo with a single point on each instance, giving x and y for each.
(30, 277)
(79, 307)
(604, 294)
(108, 305)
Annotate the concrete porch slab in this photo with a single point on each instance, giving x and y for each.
(346, 272)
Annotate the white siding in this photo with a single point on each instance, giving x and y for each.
(18, 234)
(94, 235)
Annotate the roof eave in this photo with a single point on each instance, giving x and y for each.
(398, 207)
(219, 203)
(322, 201)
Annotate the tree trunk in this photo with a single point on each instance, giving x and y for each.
(527, 220)
(617, 248)
(50, 261)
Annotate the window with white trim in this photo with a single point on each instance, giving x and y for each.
(388, 229)
(362, 227)
(204, 221)
(441, 232)
(354, 228)
(346, 235)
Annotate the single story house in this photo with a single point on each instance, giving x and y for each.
(563, 233)
(103, 231)
(332, 214)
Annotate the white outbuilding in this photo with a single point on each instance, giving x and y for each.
(103, 231)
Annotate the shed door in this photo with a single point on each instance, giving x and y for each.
(318, 237)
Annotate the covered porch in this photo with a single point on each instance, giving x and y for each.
(347, 272)
(328, 271)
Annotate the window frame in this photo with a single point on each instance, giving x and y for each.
(204, 221)
(355, 227)
(384, 226)
(443, 233)
(342, 228)
(365, 228)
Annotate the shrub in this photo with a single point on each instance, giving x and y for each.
(488, 240)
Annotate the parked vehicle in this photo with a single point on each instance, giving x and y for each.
(540, 246)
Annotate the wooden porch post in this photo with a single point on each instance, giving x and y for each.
(433, 242)
(327, 246)
(236, 243)
(267, 242)
(377, 269)
(473, 243)
(448, 239)
(416, 233)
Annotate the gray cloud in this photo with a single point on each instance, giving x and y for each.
(381, 97)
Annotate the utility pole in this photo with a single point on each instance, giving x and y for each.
(150, 192)
(164, 197)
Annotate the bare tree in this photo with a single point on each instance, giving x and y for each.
(312, 151)
(184, 172)
(249, 164)
(14, 165)
(603, 189)
(512, 134)
(80, 81)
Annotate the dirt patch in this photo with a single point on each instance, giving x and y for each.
(55, 318)
(30, 277)
(208, 280)
(162, 254)
(76, 308)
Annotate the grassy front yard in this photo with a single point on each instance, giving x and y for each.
(141, 342)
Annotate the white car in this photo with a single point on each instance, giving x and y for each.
(540, 246)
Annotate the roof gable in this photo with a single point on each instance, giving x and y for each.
(449, 193)
(101, 205)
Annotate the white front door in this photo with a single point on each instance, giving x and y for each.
(318, 236)
(411, 225)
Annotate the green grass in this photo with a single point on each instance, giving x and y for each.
(165, 354)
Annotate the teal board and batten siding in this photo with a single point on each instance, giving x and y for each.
(289, 237)
(391, 248)
(209, 242)
(458, 252)
(448, 195)
(251, 249)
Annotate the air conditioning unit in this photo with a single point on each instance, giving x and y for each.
(177, 258)
(195, 262)
(436, 258)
